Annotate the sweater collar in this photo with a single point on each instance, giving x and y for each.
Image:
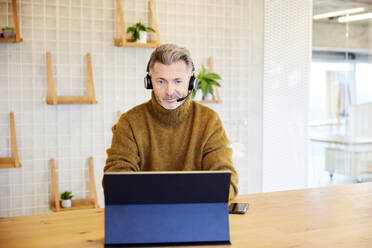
(170, 117)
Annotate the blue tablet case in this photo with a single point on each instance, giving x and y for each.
(166, 207)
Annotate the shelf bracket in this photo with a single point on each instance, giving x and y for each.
(15, 20)
(88, 98)
(11, 162)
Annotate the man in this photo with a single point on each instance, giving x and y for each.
(171, 132)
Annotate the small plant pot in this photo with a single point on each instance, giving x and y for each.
(208, 97)
(198, 95)
(143, 37)
(66, 203)
(8, 33)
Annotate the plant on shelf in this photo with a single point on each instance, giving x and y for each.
(66, 199)
(205, 84)
(8, 32)
(139, 32)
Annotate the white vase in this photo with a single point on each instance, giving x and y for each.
(143, 37)
(66, 203)
(208, 97)
(9, 33)
(198, 95)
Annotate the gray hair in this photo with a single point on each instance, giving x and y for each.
(168, 54)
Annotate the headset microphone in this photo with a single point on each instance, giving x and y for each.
(183, 98)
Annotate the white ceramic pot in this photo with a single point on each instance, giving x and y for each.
(198, 95)
(143, 37)
(9, 33)
(208, 97)
(66, 203)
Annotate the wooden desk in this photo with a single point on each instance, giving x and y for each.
(347, 155)
(341, 139)
(337, 216)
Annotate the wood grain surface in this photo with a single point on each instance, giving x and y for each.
(337, 216)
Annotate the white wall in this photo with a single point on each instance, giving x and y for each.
(264, 88)
(287, 58)
(70, 134)
(254, 99)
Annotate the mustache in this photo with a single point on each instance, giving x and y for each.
(170, 97)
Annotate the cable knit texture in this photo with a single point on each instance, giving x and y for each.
(151, 138)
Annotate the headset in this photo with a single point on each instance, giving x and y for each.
(193, 83)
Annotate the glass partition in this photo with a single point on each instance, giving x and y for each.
(341, 93)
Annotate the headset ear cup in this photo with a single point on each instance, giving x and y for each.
(147, 82)
(193, 83)
(196, 84)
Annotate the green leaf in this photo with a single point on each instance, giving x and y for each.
(140, 26)
(207, 80)
(66, 195)
(136, 35)
(216, 83)
(8, 28)
(212, 75)
(135, 29)
(203, 70)
(205, 91)
(210, 89)
(131, 29)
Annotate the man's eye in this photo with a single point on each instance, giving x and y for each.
(178, 81)
(161, 81)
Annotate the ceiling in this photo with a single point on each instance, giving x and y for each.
(325, 6)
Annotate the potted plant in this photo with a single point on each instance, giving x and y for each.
(8, 32)
(139, 32)
(206, 82)
(66, 199)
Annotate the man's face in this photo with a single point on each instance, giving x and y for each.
(170, 82)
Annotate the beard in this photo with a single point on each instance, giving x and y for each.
(169, 102)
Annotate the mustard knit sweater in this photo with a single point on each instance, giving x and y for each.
(151, 138)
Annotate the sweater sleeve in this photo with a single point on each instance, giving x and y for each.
(218, 156)
(123, 153)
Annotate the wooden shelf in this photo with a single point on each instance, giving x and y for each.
(17, 38)
(76, 204)
(88, 98)
(120, 39)
(211, 101)
(10, 40)
(11, 162)
(216, 98)
(149, 44)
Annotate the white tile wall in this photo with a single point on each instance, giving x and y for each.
(287, 58)
(70, 134)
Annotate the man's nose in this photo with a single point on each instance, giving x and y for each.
(169, 89)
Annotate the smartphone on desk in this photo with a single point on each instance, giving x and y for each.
(238, 208)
